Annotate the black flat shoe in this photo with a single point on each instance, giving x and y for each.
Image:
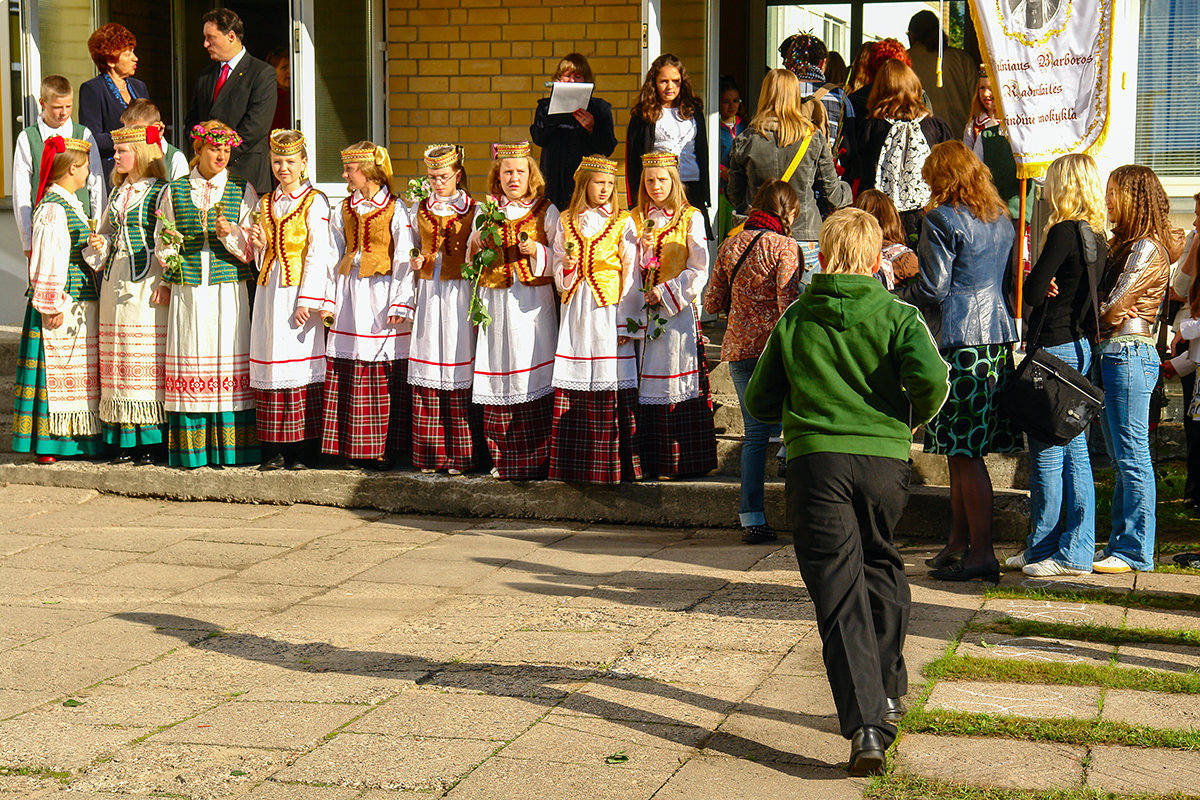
(379, 465)
(759, 534)
(893, 710)
(944, 559)
(988, 571)
(271, 464)
(295, 465)
(121, 458)
(145, 460)
(867, 752)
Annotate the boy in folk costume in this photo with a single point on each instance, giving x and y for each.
(57, 390)
(514, 355)
(367, 408)
(133, 331)
(675, 420)
(206, 266)
(57, 102)
(441, 367)
(595, 365)
(287, 339)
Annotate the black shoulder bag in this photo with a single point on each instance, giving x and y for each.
(741, 260)
(1046, 397)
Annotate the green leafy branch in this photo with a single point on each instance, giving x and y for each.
(487, 223)
(170, 238)
(655, 322)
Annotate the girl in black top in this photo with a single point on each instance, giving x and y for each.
(1062, 497)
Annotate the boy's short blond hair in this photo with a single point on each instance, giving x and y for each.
(851, 241)
(54, 87)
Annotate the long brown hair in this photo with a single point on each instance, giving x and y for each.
(1141, 211)
(778, 199)
(896, 93)
(779, 103)
(881, 207)
(956, 176)
(649, 107)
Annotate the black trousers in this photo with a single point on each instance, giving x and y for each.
(843, 509)
(1191, 432)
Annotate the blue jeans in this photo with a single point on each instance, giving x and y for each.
(754, 449)
(1128, 372)
(1062, 496)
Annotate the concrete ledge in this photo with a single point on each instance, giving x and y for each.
(703, 503)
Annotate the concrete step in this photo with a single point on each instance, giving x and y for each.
(704, 503)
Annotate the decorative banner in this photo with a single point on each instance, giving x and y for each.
(1049, 64)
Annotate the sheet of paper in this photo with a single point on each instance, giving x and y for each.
(566, 98)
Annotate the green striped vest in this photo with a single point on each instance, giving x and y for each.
(80, 283)
(199, 230)
(138, 231)
(34, 134)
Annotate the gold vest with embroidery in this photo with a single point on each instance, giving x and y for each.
(670, 245)
(499, 274)
(371, 236)
(599, 258)
(287, 239)
(447, 235)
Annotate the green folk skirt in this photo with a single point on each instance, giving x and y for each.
(225, 438)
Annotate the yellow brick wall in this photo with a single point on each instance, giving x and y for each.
(464, 71)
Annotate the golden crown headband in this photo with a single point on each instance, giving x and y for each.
(134, 135)
(660, 158)
(77, 144)
(286, 148)
(376, 155)
(452, 157)
(518, 150)
(597, 164)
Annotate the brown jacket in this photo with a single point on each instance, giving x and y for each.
(1139, 288)
(767, 283)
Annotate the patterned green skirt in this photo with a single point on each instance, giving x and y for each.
(31, 415)
(226, 438)
(970, 423)
(126, 435)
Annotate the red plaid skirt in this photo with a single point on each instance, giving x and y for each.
(368, 413)
(678, 439)
(289, 415)
(446, 429)
(518, 437)
(594, 437)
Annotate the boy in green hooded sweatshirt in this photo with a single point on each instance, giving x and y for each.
(850, 371)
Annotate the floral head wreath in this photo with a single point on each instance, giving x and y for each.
(137, 134)
(597, 164)
(453, 156)
(217, 137)
(660, 158)
(286, 148)
(518, 150)
(369, 155)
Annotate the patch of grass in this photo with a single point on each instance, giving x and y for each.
(1089, 632)
(1164, 602)
(44, 773)
(968, 668)
(1083, 732)
(910, 787)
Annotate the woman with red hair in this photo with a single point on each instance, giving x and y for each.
(104, 98)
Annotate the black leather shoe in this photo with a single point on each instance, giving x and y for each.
(271, 464)
(145, 460)
(758, 534)
(297, 464)
(121, 458)
(867, 752)
(944, 559)
(893, 710)
(988, 571)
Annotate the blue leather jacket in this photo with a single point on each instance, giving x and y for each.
(961, 288)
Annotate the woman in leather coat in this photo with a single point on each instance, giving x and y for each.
(964, 253)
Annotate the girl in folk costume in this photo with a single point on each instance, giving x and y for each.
(595, 364)
(133, 331)
(514, 354)
(441, 367)
(675, 421)
(205, 258)
(57, 391)
(287, 340)
(367, 406)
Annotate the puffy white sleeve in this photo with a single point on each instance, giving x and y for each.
(632, 302)
(319, 262)
(684, 289)
(564, 276)
(544, 258)
(51, 245)
(402, 295)
(237, 242)
(22, 190)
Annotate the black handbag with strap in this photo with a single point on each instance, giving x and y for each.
(1046, 397)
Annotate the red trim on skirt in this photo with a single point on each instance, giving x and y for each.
(289, 415)
(594, 437)
(368, 412)
(518, 437)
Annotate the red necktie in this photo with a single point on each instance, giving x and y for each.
(221, 81)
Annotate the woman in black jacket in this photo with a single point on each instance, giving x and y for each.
(105, 97)
(566, 138)
(668, 117)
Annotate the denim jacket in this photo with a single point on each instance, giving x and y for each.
(964, 262)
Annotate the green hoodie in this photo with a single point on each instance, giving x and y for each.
(849, 368)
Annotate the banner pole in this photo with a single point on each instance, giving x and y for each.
(1021, 250)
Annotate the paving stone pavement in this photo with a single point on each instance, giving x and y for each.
(216, 650)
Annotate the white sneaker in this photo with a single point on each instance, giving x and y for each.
(1050, 567)
(1111, 564)
(1016, 562)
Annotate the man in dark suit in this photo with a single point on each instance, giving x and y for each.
(239, 90)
